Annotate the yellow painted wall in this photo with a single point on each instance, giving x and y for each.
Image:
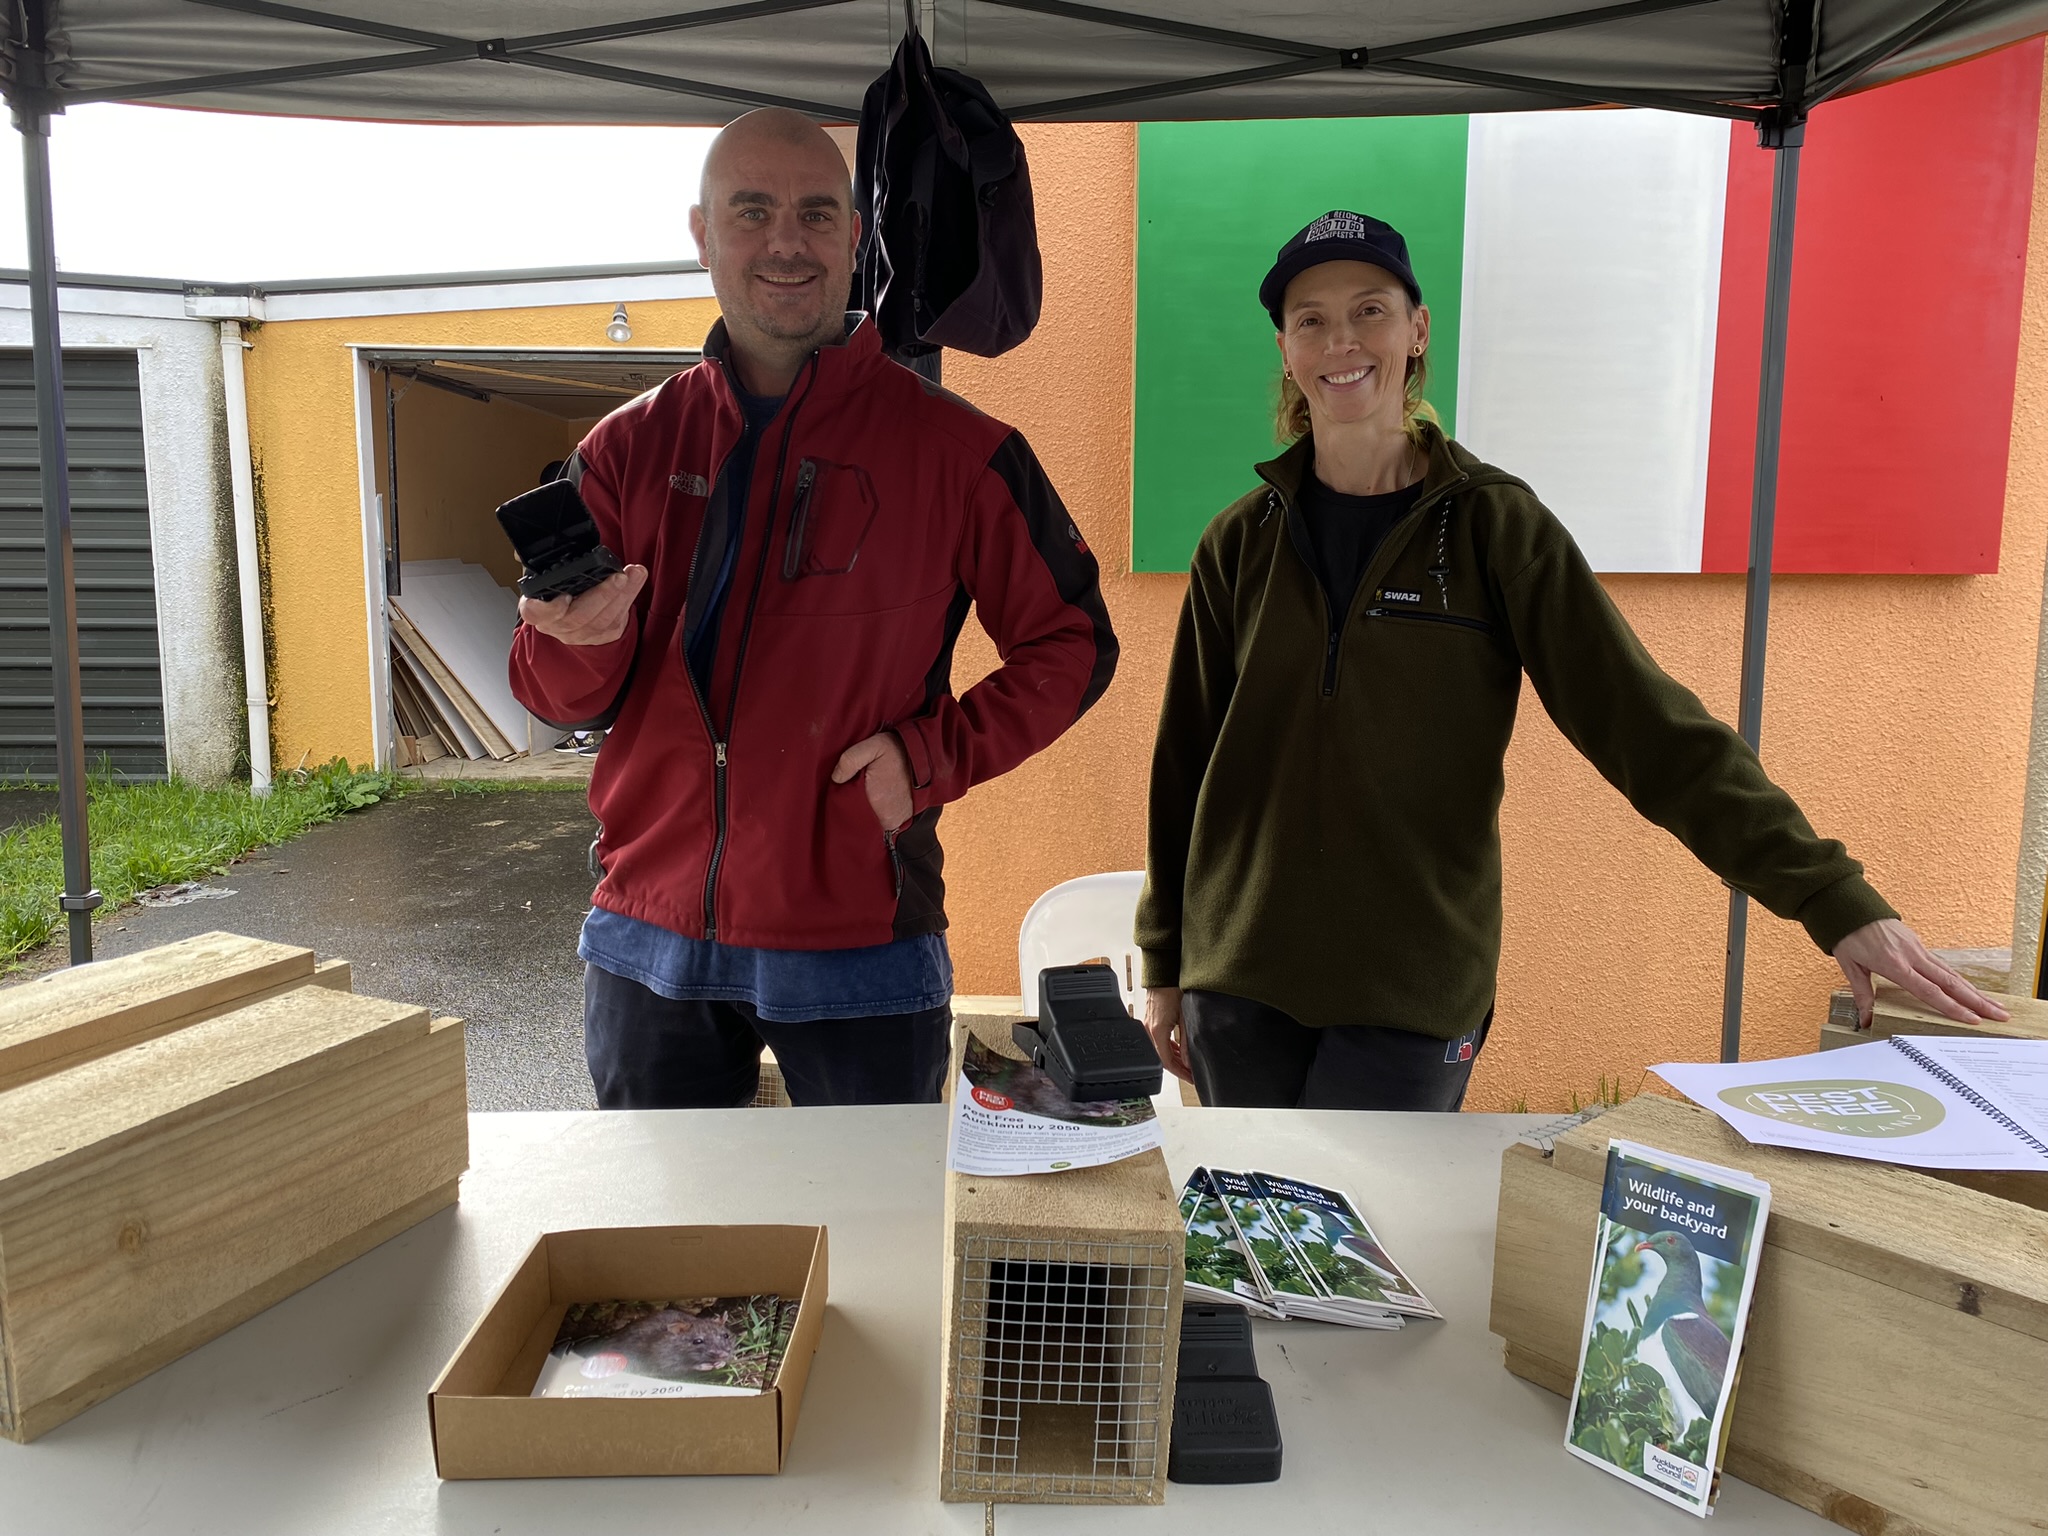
(1897, 708)
(302, 434)
(457, 459)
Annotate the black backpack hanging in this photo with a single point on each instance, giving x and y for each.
(949, 255)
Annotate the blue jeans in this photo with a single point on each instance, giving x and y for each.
(646, 1051)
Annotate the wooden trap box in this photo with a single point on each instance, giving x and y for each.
(190, 1134)
(1062, 1328)
(1896, 1374)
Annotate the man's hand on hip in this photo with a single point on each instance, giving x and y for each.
(596, 617)
(884, 770)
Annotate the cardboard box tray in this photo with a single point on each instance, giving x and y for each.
(486, 1425)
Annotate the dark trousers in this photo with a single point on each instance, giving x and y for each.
(1249, 1056)
(647, 1051)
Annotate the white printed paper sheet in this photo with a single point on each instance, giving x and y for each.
(1010, 1118)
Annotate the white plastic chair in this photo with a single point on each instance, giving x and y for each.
(1086, 919)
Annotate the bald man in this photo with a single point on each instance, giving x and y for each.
(805, 525)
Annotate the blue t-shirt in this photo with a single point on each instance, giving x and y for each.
(700, 642)
(785, 986)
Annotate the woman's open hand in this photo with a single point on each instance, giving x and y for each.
(1890, 949)
(1162, 1023)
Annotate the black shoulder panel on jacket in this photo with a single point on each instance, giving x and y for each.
(1057, 538)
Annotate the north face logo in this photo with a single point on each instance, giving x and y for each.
(690, 485)
(1335, 226)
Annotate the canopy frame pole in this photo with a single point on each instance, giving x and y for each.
(1783, 132)
(1763, 519)
(78, 898)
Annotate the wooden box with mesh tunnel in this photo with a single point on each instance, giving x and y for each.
(1062, 1329)
(189, 1135)
(1895, 1377)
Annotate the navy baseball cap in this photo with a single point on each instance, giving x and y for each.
(1338, 236)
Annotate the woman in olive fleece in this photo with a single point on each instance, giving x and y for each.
(1322, 909)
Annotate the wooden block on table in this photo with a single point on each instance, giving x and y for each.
(1897, 1012)
(154, 1197)
(1862, 1263)
(1062, 1299)
(72, 1015)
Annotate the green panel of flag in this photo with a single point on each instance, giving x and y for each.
(1215, 202)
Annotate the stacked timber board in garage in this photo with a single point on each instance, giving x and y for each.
(1896, 1374)
(189, 1135)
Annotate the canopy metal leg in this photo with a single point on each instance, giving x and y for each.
(79, 898)
(1763, 518)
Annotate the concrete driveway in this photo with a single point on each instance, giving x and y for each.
(465, 903)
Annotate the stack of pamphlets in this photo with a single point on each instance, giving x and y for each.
(709, 1346)
(1282, 1247)
(1674, 1268)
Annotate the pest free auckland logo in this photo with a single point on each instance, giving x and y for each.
(1847, 1107)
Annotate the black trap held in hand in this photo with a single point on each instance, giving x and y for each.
(1085, 1040)
(556, 540)
(1224, 1426)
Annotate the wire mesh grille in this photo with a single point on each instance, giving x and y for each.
(1060, 1368)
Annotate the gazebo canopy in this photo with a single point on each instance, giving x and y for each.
(514, 61)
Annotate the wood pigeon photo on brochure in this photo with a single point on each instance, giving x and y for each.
(1693, 1341)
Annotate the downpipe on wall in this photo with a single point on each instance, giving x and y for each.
(242, 478)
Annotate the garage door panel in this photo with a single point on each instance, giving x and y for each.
(121, 681)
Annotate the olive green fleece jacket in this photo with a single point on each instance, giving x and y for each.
(1324, 830)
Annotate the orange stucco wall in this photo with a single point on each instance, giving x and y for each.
(302, 434)
(1897, 707)
(1897, 711)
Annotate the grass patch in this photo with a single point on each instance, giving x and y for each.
(146, 835)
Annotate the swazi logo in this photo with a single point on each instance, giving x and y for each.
(1845, 1107)
(1396, 595)
(690, 485)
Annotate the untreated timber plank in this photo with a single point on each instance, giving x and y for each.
(1891, 1412)
(1926, 1237)
(242, 1057)
(87, 1010)
(122, 1261)
(1898, 1012)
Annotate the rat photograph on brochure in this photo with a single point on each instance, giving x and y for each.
(709, 1346)
(1673, 1273)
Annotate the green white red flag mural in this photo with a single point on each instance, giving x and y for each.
(1595, 281)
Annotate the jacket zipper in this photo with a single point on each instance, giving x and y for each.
(1424, 616)
(739, 660)
(1335, 632)
(799, 518)
(704, 704)
(895, 863)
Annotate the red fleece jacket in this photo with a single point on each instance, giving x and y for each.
(880, 507)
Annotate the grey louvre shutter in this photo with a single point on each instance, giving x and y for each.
(117, 639)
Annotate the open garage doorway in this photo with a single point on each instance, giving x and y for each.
(452, 433)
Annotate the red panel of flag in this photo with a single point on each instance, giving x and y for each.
(1908, 263)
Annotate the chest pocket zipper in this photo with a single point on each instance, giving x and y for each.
(799, 519)
(1424, 616)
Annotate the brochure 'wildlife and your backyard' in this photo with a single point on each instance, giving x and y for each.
(1673, 1274)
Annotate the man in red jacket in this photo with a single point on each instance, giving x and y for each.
(805, 524)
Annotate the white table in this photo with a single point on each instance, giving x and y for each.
(311, 1418)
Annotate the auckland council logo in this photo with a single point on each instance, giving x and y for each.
(1846, 1107)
